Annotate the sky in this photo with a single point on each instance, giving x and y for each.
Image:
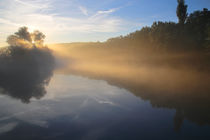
(64, 21)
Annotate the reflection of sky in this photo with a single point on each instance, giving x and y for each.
(86, 20)
(89, 109)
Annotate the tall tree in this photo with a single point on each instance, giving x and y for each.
(181, 11)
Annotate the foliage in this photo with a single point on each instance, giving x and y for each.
(23, 38)
(26, 65)
(181, 11)
(194, 34)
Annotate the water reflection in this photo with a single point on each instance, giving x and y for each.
(187, 93)
(24, 73)
(90, 110)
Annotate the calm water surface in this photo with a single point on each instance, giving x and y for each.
(79, 108)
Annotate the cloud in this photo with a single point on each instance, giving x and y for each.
(83, 10)
(7, 127)
(104, 101)
(40, 123)
(104, 13)
(52, 16)
(108, 11)
(35, 4)
(52, 22)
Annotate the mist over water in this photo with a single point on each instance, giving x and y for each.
(152, 83)
(177, 81)
(174, 81)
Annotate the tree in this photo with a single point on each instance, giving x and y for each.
(181, 11)
(25, 68)
(12, 40)
(38, 38)
(198, 24)
(24, 34)
(23, 38)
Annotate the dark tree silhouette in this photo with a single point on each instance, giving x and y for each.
(181, 11)
(24, 34)
(26, 66)
(38, 37)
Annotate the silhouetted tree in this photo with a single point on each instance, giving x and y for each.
(23, 38)
(181, 11)
(198, 27)
(24, 34)
(38, 37)
(26, 66)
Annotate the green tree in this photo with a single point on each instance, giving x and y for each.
(181, 11)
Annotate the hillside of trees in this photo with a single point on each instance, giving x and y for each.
(193, 34)
(182, 44)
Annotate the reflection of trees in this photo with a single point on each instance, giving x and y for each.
(178, 120)
(191, 103)
(26, 68)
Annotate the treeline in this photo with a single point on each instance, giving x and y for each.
(193, 34)
(182, 45)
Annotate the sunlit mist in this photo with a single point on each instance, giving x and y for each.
(104, 70)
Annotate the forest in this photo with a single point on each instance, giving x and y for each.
(165, 57)
(182, 44)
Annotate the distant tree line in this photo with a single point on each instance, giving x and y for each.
(192, 32)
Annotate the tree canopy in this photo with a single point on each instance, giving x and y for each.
(23, 38)
(192, 34)
(181, 11)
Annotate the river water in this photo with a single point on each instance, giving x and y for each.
(79, 108)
